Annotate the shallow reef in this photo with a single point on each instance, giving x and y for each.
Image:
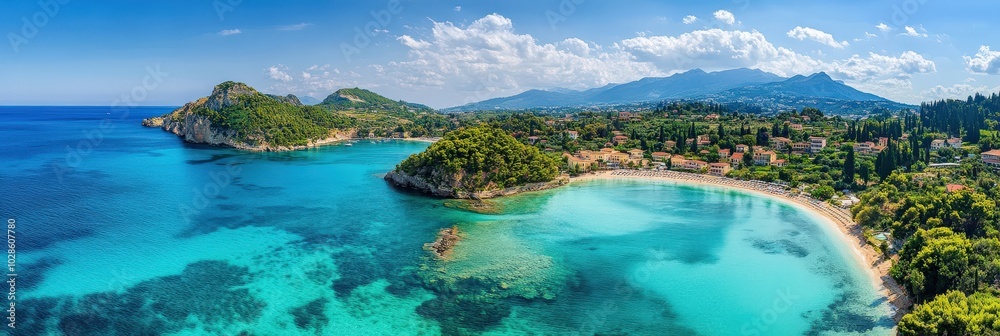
(488, 272)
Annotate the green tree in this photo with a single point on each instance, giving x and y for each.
(954, 313)
(849, 164)
(822, 192)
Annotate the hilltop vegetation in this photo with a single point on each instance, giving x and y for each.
(239, 116)
(481, 158)
(261, 118)
(364, 99)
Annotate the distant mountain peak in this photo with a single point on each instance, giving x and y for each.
(743, 85)
(821, 75)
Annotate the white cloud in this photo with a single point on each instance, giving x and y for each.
(870, 35)
(315, 81)
(413, 43)
(725, 16)
(804, 33)
(957, 91)
(277, 72)
(297, 26)
(458, 8)
(701, 48)
(986, 61)
(910, 31)
(877, 66)
(884, 28)
(690, 19)
(488, 58)
(227, 32)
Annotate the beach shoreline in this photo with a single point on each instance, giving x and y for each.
(873, 263)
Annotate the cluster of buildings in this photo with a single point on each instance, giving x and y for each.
(952, 142)
(815, 145)
(585, 160)
(871, 148)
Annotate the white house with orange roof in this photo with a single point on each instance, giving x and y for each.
(719, 169)
(992, 158)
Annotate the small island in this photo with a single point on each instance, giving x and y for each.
(478, 163)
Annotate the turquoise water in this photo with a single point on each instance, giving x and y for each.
(144, 234)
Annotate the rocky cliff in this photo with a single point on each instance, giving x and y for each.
(194, 121)
(449, 190)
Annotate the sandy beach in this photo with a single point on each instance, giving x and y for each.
(876, 266)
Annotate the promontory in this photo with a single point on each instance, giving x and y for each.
(477, 163)
(236, 115)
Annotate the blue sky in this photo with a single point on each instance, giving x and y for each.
(446, 53)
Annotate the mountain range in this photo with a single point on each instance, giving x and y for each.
(743, 86)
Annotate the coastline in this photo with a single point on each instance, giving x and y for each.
(851, 234)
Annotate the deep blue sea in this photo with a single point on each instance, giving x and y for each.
(126, 230)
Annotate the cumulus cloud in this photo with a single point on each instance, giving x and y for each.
(702, 48)
(315, 81)
(228, 32)
(725, 16)
(910, 31)
(458, 8)
(277, 72)
(985, 61)
(297, 26)
(690, 19)
(316, 67)
(957, 91)
(877, 66)
(489, 57)
(806, 33)
(883, 27)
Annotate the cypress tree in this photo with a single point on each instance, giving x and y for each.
(849, 167)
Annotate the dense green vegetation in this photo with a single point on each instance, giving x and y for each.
(481, 158)
(966, 119)
(260, 118)
(945, 239)
(950, 254)
(954, 313)
(364, 99)
(283, 121)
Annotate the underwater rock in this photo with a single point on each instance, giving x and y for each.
(447, 238)
(477, 206)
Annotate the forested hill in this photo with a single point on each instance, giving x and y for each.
(237, 115)
(963, 118)
(475, 160)
(364, 99)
